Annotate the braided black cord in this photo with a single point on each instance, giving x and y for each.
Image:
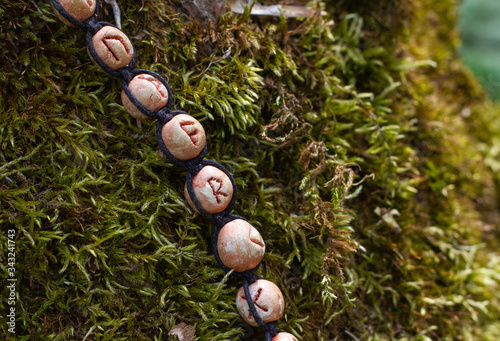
(165, 114)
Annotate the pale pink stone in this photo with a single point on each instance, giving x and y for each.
(81, 10)
(113, 47)
(284, 337)
(240, 245)
(149, 91)
(267, 299)
(212, 188)
(184, 137)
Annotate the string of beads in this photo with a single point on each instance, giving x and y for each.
(210, 189)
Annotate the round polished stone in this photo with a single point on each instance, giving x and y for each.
(284, 337)
(149, 91)
(113, 47)
(184, 137)
(267, 299)
(213, 189)
(240, 245)
(80, 10)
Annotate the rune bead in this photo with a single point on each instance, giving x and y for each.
(240, 245)
(184, 137)
(213, 189)
(113, 47)
(80, 10)
(284, 337)
(149, 91)
(267, 299)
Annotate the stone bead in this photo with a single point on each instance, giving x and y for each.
(113, 47)
(149, 91)
(81, 10)
(284, 337)
(212, 188)
(184, 137)
(267, 299)
(240, 245)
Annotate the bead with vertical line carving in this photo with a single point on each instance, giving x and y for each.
(268, 301)
(80, 10)
(213, 189)
(149, 91)
(240, 245)
(113, 47)
(184, 137)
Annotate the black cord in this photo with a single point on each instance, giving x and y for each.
(164, 115)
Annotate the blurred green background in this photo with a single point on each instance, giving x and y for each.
(480, 27)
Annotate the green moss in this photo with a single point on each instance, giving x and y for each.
(348, 143)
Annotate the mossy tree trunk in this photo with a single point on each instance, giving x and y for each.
(348, 142)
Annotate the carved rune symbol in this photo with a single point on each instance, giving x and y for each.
(192, 131)
(255, 239)
(157, 84)
(216, 185)
(254, 300)
(110, 43)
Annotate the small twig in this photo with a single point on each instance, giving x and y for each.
(116, 12)
(38, 9)
(351, 335)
